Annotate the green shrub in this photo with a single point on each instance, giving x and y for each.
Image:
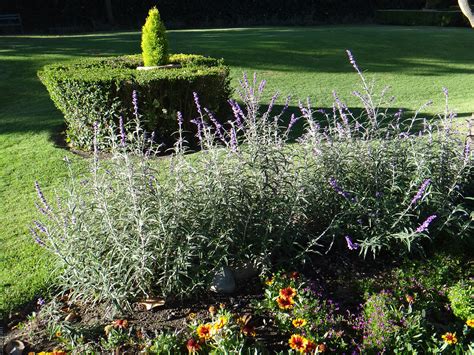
(154, 40)
(100, 90)
(461, 296)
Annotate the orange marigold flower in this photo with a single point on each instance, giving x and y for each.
(297, 342)
(410, 299)
(470, 323)
(288, 292)
(322, 348)
(120, 323)
(299, 322)
(450, 338)
(58, 352)
(285, 303)
(310, 347)
(193, 345)
(248, 330)
(205, 331)
(58, 333)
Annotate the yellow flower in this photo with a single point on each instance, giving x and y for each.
(58, 333)
(299, 322)
(269, 281)
(191, 316)
(450, 338)
(205, 331)
(470, 323)
(297, 342)
(221, 322)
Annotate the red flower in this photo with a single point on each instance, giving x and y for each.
(120, 323)
(248, 330)
(193, 346)
(297, 342)
(285, 303)
(294, 275)
(288, 292)
(310, 347)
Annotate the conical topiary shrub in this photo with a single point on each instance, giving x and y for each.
(154, 40)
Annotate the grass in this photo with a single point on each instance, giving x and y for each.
(417, 62)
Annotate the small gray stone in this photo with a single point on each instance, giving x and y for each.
(224, 281)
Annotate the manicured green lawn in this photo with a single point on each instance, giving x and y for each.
(416, 62)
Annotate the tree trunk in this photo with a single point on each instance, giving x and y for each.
(110, 14)
(467, 11)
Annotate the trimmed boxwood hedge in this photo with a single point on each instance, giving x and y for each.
(100, 90)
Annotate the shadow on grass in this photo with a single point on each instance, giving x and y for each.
(25, 105)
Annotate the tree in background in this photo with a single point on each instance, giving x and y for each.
(154, 40)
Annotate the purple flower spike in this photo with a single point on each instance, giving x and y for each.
(424, 226)
(180, 119)
(196, 102)
(42, 198)
(233, 140)
(261, 87)
(293, 120)
(351, 245)
(352, 61)
(421, 191)
(445, 92)
(122, 132)
(135, 102)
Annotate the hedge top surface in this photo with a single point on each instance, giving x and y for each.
(124, 68)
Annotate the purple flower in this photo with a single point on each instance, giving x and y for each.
(350, 244)
(199, 125)
(352, 61)
(261, 87)
(46, 206)
(421, 191)
(40, 302)
(180, 119)
(338, 189)
(40, 227)
(196, 102)
(233, 140)
(122, 132)
(445, 92)
(135, 102)
(293, 120)
(238, 113)
(424, 226)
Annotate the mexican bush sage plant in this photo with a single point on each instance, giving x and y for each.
(137, 226)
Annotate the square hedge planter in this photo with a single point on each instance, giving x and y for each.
(99, 90)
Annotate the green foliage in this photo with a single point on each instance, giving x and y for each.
(461, 297)
(154, 40)
(100, 90)
(166, 343)
(421, 18)
(308, 312)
